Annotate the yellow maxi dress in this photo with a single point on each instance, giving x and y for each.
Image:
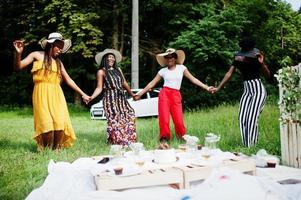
(49, 105)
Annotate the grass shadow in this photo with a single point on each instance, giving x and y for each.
(8, 144)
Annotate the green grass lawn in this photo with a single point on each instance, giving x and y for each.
(22, 169)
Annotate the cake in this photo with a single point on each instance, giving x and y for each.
(163, 156)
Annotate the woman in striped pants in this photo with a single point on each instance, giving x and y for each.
(249, 61)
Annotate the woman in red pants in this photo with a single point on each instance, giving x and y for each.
(170, 100)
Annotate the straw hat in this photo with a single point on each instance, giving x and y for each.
(116, 53)
(180, 53)
(53, 37)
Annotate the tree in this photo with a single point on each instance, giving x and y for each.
(209, 43)
(207, 30)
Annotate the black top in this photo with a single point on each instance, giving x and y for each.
(248, 64)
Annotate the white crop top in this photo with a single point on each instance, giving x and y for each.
(173, 78)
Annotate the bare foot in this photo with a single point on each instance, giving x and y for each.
(163, 145)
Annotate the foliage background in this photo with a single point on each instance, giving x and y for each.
(207, 30)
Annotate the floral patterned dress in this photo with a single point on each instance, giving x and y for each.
(120, 115)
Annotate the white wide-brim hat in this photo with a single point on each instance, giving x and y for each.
(162, 61)
(56, 36)
(117, 54)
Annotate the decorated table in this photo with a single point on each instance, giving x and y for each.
(157, 167)
(208, 173)
(77, 180)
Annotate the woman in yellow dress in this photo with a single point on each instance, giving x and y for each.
(52, 123)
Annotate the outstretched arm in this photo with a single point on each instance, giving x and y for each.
(196, 81)
(72, 84)
(126, 85)
(149, 86)
(226, 78)
(100, 77)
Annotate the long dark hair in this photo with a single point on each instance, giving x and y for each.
(104, 64)
(47, 62)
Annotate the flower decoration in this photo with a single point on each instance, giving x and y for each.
(288, 82)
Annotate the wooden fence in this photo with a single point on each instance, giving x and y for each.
(290, 136)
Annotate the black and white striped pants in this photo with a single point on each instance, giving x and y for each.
(251, 105)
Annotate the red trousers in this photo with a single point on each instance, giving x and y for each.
(170, 103)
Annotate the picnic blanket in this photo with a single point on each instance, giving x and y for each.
(75, 181)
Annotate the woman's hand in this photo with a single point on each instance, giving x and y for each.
(19, 45)
(86, 98)
(213, 90)
(260, 57)
(136, 97)
(210, 89)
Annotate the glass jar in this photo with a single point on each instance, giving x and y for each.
(211, 141)
(116, 150)
(137, 147)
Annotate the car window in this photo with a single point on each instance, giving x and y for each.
(153, 94)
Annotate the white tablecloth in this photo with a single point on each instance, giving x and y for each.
(75, 181)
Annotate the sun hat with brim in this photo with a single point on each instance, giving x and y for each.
(116, 53)
(162, 61)
(56, 36)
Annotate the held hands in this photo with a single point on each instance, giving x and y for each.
(210, 89)
(136, 97)
(214, 90)
(86, 98)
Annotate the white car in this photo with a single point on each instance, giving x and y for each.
(145, 107)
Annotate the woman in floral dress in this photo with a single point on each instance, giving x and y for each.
(120, 115)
